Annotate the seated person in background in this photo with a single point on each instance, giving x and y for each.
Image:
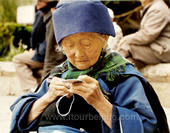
(33, 59)
(113, 41)
(151, 43)
(54, 55)
(110, 96)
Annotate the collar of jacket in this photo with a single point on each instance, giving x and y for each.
(47, 16)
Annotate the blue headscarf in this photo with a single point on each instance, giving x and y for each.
(75, 16)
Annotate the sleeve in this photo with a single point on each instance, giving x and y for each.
(40, 52)
(20, 110)
(153, 23)
(131, 109)
(38, 31)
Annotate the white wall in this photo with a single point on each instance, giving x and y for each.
(26, 14)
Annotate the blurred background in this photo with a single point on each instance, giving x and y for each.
(17, 17)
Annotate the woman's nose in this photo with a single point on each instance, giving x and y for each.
(79, 51)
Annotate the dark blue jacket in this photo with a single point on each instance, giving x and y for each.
(38, 41)
(132, 111)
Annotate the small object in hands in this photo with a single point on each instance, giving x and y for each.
(72, 81)
(49, 79)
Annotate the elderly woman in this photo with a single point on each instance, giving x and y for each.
(106, 94)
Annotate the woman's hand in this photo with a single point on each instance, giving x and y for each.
(89, 89)
(57, 88)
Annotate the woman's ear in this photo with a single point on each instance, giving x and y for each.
(62, 48)
(106, 37)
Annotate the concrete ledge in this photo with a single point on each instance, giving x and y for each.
(159, 77)
(9, 81)
(157, 73)
(7, 69)
(10, 86)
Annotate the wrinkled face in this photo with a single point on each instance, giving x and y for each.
(83, 49)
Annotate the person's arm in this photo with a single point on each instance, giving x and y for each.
(104, 108)
(56, 88)
(37, 108)
(20, 110)
(152, 25)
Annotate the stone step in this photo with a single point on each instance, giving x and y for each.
(159, 77)
(157, 73)
(7, 69)
(9, 81)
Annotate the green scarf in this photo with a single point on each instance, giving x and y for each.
(110, 65)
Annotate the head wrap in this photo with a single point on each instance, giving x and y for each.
(75, 16)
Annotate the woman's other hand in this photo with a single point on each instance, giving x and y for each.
(57, 88)
(89, 89)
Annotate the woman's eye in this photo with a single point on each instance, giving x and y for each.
(69, 44)
(86, 42)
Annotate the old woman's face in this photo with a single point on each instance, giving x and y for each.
(83, 49)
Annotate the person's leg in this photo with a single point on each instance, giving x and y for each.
(24, 65)
(143, 54)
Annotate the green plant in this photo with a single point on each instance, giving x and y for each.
(12, 51)
(12, 33)
(6, 31)
(22, 33)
